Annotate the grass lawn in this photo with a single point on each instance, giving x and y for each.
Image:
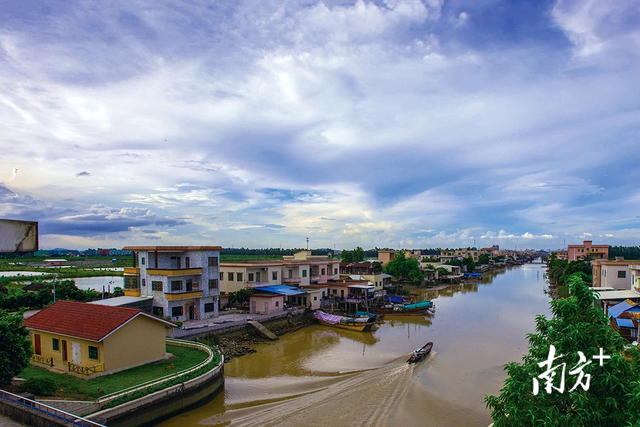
(79, 389)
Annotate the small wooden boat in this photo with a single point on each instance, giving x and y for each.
(377, 317)
(341, 322)
(420, 354)
(418, 309)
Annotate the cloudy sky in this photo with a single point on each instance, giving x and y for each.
(374, 123)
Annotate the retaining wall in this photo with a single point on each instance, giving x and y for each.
(28, 416)
(163, 404)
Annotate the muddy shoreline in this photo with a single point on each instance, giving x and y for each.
(237, 344)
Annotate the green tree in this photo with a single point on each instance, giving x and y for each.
(15, 346)
(346, 256)
(377, 267)
(401, 267)
(454, 261)
(469, 263)
(442, 271)
(613, 397)
(483, 259)
(358, 254)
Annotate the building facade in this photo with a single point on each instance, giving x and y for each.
(614, 274)
(587, 248)
(184, 281)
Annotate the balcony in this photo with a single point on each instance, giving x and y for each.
(315, 278)
(132, 292)
(292, 279)
(131, 270)
(174, 271)
(333, 277)
(182, 295)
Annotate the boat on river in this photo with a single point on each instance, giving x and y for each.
(350, 323)
(401, 309)
(421, 353)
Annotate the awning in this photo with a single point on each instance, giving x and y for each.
(606, 295)
(360, 286)
(625, 323)
(280, 290)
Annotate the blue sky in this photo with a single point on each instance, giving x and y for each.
(378, 123)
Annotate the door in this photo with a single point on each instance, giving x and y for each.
(189, 285)
(266, 308)
(64, 350)
(192, 311)
(304, 301)
(76, 355)
(257, 276)
(178, 263)
(187, 262)
(38, 345)
(253, 307)
(342, 293)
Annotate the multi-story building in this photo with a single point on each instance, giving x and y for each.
(587, 248)
(183, 280)
(300, 269)
(619, 274)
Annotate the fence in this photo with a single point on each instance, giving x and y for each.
(41, 408)
(85, 370)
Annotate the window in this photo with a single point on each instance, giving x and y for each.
(209, 307)
(230, 277)
(156, 286)
(315, 298)
(239, 277)
(176, 311)
(335, 271)
(158, 311)
(55, 343)
(176, 285)
(187, 262)
(221, 275)
(622, 274)
(277, 304)
(257, 276)
(93, 352)
(323, 272)
(213, 261)
(304, 273)
(250, 277)
(213, 283)
(274, 275)
(142, 260)
(144, 282)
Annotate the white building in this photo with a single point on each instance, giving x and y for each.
(183, 280)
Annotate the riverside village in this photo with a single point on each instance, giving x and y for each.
(149, 335)
(320, 213)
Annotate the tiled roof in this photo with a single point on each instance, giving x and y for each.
(78, 319)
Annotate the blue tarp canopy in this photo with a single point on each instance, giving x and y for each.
(620, 308)
(393, 298)
(625, 323)
(280, 290)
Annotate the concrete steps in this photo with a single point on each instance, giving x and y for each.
(264, 331)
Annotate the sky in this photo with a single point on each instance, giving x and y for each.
(383, 123)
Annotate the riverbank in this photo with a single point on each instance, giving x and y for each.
(237, 344)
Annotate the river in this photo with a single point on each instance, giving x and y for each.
(324, 376)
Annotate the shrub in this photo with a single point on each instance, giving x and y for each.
(39, 386)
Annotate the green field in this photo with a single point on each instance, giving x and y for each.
(73, 388)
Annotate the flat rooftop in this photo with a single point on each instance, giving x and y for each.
(118, 301)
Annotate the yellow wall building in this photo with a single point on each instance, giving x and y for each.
(91, 340)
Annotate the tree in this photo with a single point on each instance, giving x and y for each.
(358, 254)
(442, 271)
(377, 267)
(469, 263)
(400, 267)
(15, 346)
(613, 397)
(483, 259)
(346, 256)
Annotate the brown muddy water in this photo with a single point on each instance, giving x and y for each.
(320, 376)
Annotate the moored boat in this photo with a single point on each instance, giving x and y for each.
(421, 353)
(350, 323)
(417, 309)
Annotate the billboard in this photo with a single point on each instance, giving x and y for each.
(18, 236)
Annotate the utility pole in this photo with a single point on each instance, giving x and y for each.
(54, 289)
(307, 243)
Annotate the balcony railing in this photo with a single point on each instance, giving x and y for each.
(86, 370)
(42, 359)
(315, 278)
(333, 277)
(174, 271)
(182, 294)
(292, 279)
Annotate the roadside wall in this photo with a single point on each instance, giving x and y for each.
(27, 416)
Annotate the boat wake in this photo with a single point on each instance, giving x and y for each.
(363, 398)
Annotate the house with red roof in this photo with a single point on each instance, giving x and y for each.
(89, 340)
